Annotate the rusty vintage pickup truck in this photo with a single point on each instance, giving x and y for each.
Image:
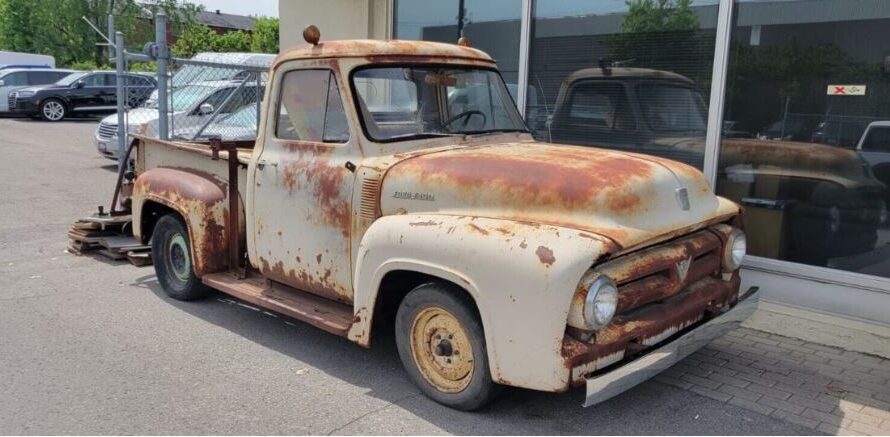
(394, 183)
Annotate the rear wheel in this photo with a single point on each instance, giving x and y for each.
(170, 249)
(442, 346)
(52, 110)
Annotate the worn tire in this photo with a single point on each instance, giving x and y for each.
(420, 319)
(171, 254)
(52, 106)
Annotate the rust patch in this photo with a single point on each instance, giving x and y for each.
(318, 258)
(477, 229)
(523, 244)
(545, 255)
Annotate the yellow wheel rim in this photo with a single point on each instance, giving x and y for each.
(442, 350)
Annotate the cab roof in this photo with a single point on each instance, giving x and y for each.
(383, 48)
(626, 73)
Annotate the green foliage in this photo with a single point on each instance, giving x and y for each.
(265, 35)
(231, 42)
(195, 38)
(54, 27)
(143, 66)
(83, 65)
(659, 16)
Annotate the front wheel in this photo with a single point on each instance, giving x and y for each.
(442, 346)
(170, 249)
(52, 110)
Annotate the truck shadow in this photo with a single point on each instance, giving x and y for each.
(652, 408)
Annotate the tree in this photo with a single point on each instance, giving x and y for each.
(659, 16)
(265, 35)
(231, 42)
(195, 38)
(664, 35)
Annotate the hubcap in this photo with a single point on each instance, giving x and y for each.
(53, 110)
(178, 260)
(442, 350)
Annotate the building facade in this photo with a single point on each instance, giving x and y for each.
(783, 104)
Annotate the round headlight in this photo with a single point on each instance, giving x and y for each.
(734, 251)
(600, 303)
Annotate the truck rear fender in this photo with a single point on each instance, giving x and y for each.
(522, 277)
(200, 199)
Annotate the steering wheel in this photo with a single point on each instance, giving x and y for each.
(467, 114)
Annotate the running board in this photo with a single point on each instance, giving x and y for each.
(333, 317)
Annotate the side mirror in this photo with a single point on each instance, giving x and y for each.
(79, 84)
(205, 109)
(2, 83)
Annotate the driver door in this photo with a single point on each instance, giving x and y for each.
(302, 214)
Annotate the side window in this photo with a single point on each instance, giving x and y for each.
(310, 108)
(246, 95)
(15, 79)
(111, 80)
(218, 97)
(878, 140)
(94, 80)
(41, 77)
(601, 105)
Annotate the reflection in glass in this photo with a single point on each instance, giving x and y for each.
(813, 191)
(625, 75)
(491, 25)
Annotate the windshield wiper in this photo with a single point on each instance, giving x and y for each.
(493, 131)
(423, 135)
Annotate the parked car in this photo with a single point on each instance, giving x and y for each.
(190, 107)
(15, 78)
(815, 189)
(498, 259)
(84, 93)
(874, 147)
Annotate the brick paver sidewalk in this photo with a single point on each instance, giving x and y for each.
(824, 388)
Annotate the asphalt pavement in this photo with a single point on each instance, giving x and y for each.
(91, 346)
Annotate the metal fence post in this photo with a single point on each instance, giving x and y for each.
(121, 98)
(110, 32)
(163, 55)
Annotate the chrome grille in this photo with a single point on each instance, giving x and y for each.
(106, 131)
(11, 100)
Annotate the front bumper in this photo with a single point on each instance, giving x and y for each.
(106, 147)
(24, 106)
(607, 385)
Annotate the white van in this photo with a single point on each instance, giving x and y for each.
(25, 60)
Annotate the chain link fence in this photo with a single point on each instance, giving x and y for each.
(208, 95)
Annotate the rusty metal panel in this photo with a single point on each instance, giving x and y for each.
(511, 269)
(628, 198)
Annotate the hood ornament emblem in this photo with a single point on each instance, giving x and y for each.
(683, 198)
(683, 269)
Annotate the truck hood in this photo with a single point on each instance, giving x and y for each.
(629, 198)
(744, 159)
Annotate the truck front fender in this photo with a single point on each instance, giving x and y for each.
(201, 201)
(522, 277)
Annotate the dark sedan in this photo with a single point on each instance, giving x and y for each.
(84, 93)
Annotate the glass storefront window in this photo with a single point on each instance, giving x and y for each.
(632, 75)
(804, 145)
(491, 26)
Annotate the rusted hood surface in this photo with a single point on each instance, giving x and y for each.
(628, 198)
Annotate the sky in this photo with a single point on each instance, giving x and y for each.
(268, 8)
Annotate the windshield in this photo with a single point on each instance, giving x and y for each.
(244, 117)
(186, 97)
(426, 101)
(671, 108)
(71, 78)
